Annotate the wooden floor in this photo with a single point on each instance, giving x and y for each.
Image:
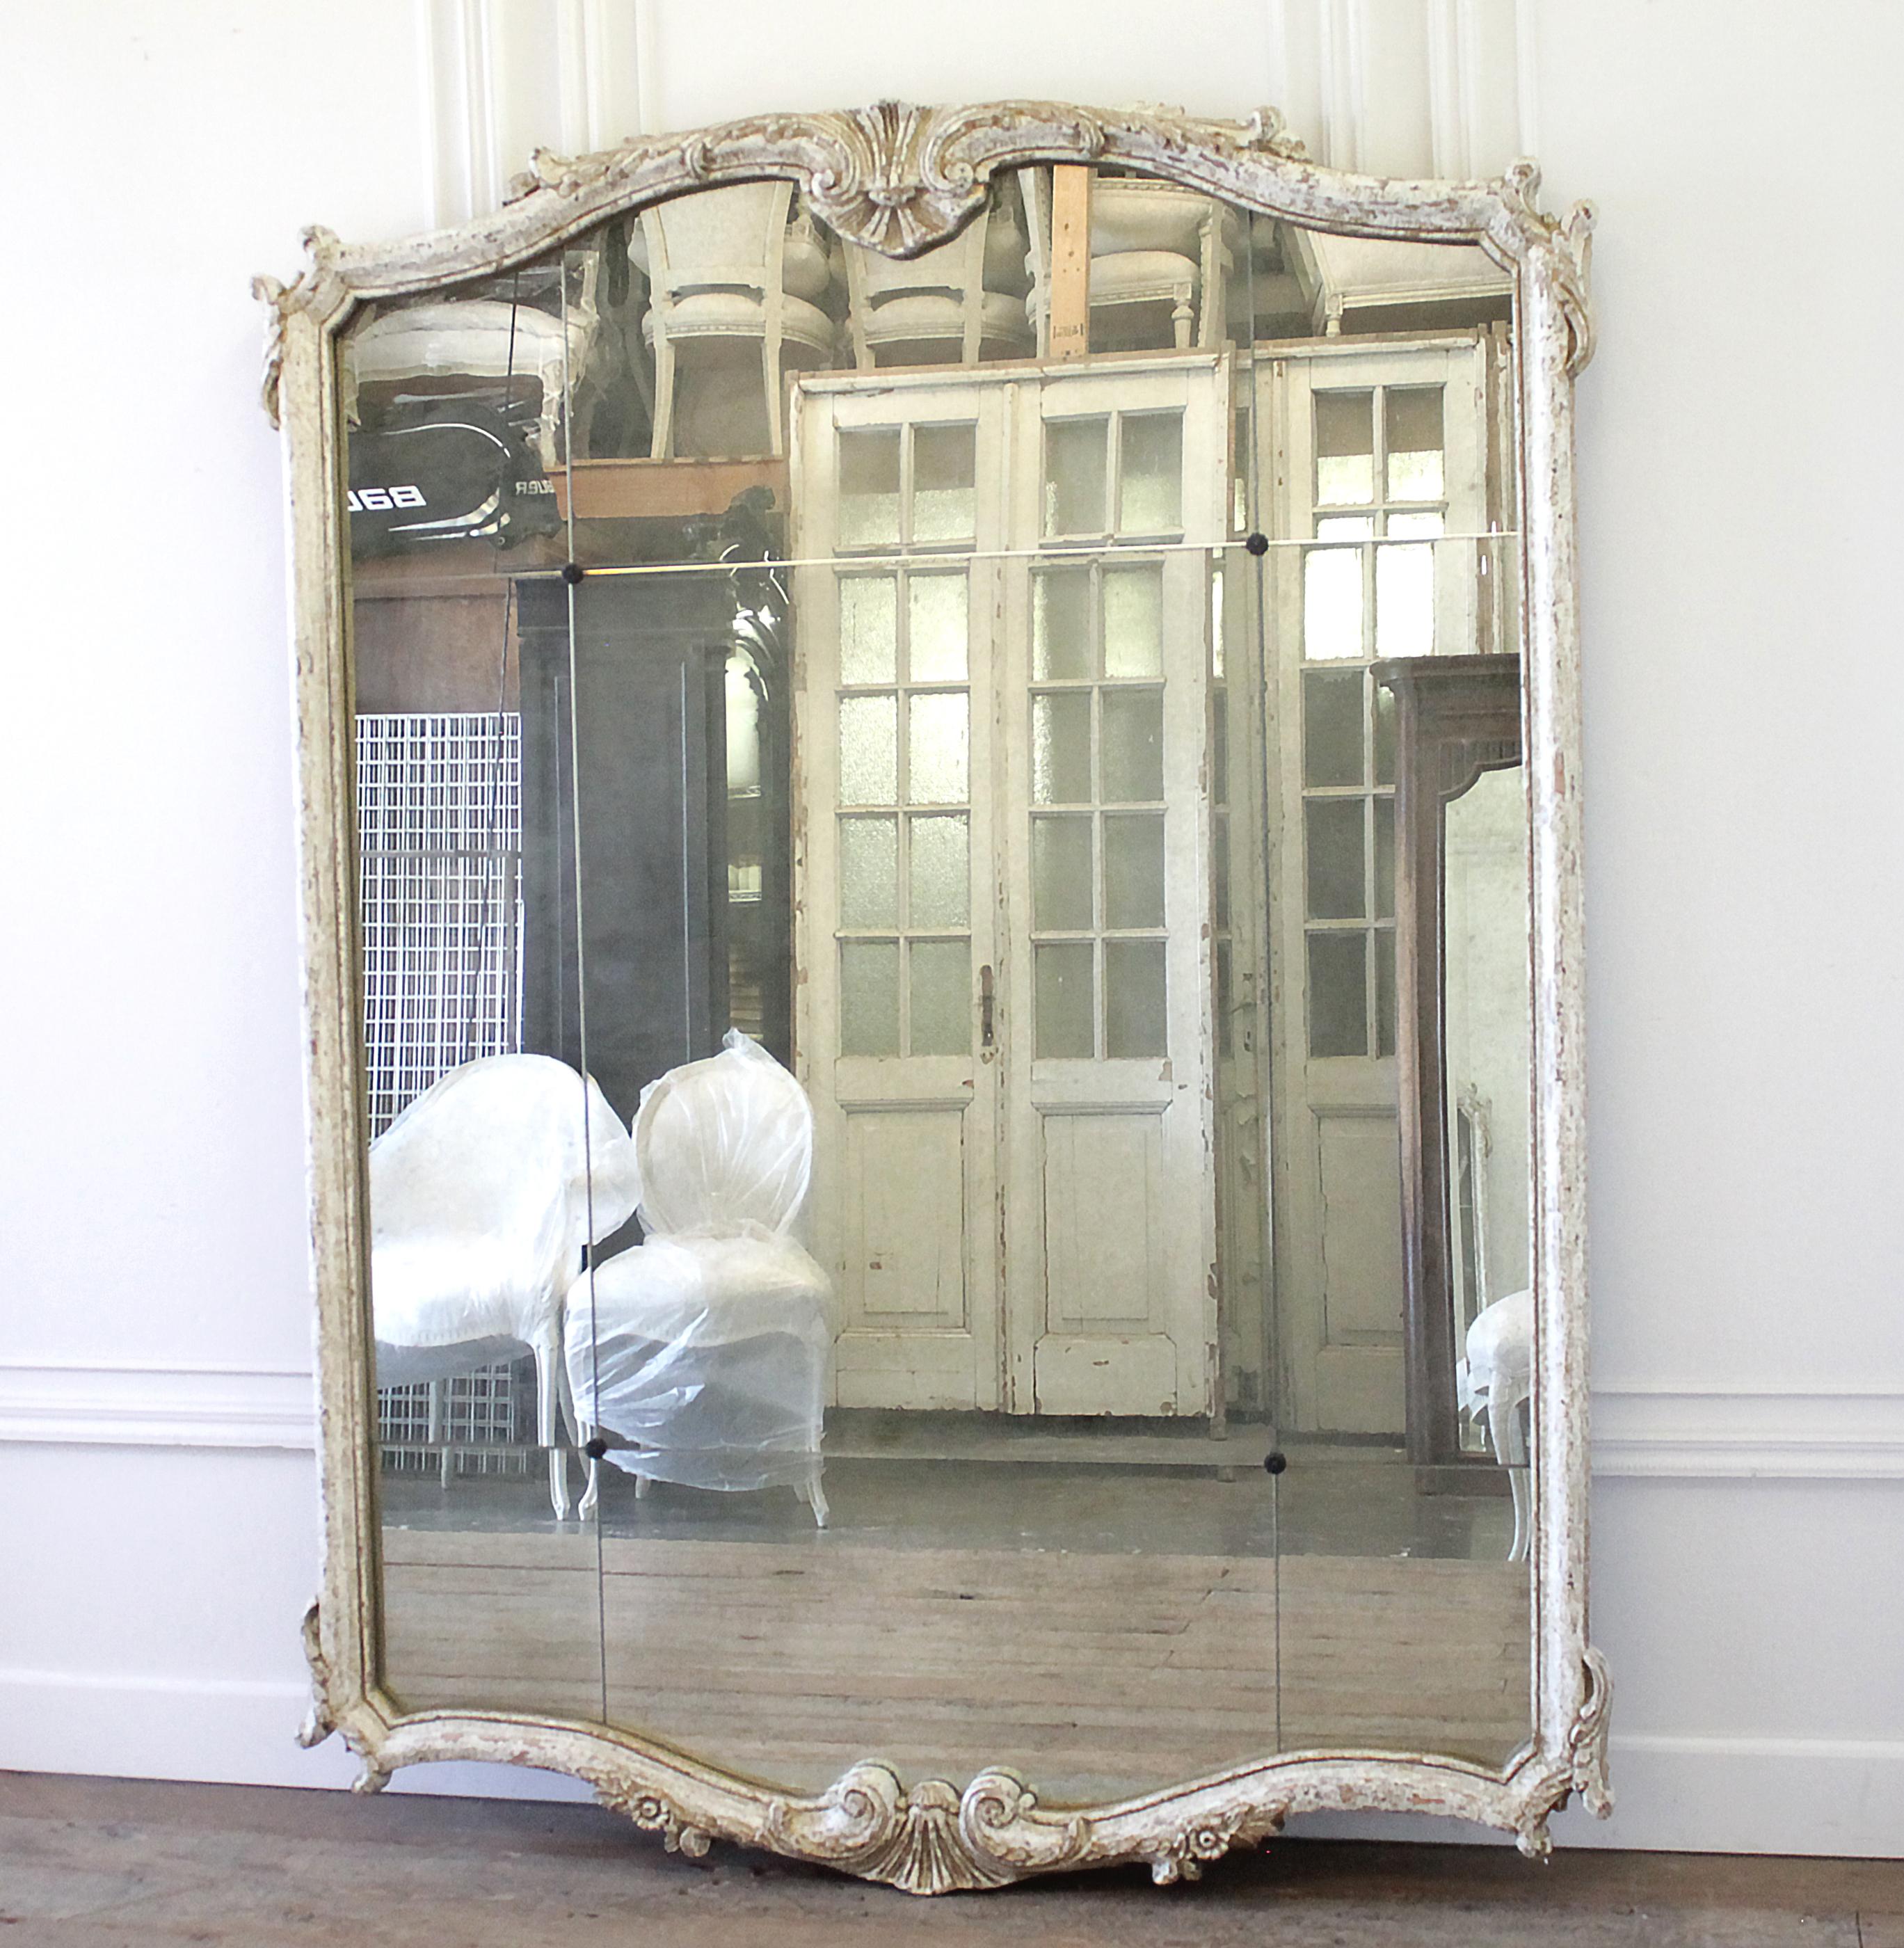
(108, 1863)
(1097, 1675)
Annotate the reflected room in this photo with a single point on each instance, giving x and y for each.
(1003, 771)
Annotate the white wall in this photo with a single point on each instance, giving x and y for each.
(1739, 437)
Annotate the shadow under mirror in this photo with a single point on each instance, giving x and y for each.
(951, 748)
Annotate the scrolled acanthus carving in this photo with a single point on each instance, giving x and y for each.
(1587, 1741)
(899, 178)
(930, 1839)
(1568, 243)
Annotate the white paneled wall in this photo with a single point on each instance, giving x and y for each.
(157, 1521)
(1397, 87)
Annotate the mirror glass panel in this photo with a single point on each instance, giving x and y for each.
(1033, 1275)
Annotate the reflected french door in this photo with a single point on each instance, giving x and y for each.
(1002, 868)
(1377, 454)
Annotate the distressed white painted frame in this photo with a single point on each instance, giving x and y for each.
(899, 178)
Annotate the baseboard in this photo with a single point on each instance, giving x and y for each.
(209, 1730)
(1726, 1795)
(1836, 1798)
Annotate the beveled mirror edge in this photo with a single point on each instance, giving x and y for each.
(901, 178)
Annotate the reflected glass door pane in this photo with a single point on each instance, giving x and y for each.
(868, 489)
(945, 501)
(1066, 1006)
(1151, 491)
(1076, 461)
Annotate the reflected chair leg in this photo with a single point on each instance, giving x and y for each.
(1511, 1448)
(640, 1487)
(548, 1356)
(1516, 1481)
(591, 1494)
(814, 1496)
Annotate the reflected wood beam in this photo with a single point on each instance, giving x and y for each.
(1071, 262)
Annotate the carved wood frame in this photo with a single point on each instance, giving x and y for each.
(901, 178)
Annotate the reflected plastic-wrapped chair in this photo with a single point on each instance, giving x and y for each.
(1497, 1379)
(707, 1344)
(482, 1195)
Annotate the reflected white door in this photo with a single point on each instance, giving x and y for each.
(1110, 1204)
(1377, 453)
(893, 881)
(1002, 879)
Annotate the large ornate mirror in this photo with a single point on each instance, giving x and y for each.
(940, 813)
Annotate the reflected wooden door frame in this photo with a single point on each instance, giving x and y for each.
(1457, 717)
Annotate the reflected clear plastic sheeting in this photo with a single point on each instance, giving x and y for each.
(1002, 817)
(701, 1354)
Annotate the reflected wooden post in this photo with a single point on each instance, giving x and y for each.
(1456, 717)
(1071, 262)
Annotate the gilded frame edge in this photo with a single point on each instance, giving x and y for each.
(901, 179)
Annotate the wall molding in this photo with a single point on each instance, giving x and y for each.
(1322, 55)
(1654, 1433)
(1834, 1435)
(157, 1406)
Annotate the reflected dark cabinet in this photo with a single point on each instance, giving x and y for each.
(1456, 718)
(641, 787)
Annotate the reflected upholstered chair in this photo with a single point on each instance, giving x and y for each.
(481, 338)
(727, 272)
(1157, 251)
(482, 1194)
(949, 305)
(704, 1349)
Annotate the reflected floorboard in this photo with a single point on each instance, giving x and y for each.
(1099, 1673)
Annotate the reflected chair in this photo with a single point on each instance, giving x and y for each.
(706, 1346)
(481, 338)
(1496, 1380)
(483, 1193)
(725, 268)
(948, 305)
(1154, 248)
